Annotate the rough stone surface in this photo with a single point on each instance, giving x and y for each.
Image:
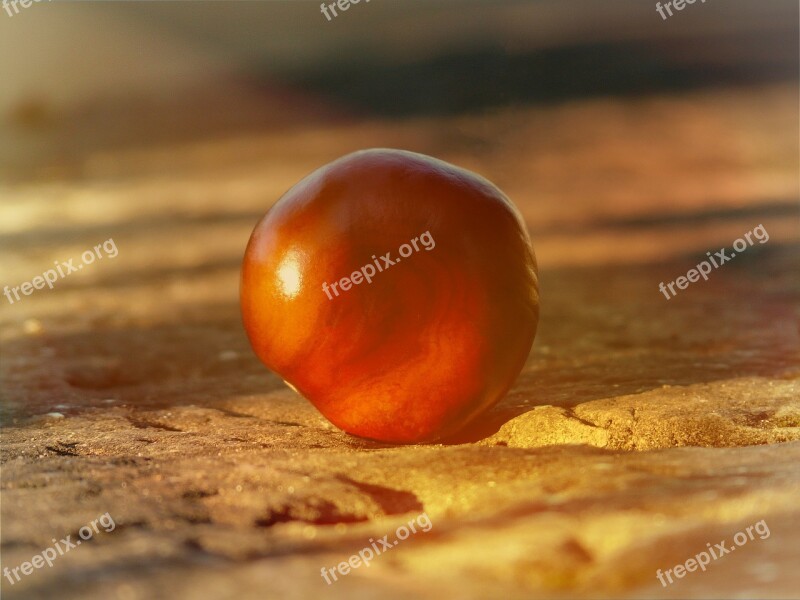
(641, 430)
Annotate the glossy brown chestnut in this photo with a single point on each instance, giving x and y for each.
(431, 340)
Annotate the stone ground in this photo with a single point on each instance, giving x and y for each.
(641, 429)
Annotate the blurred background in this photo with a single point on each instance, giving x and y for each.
(581, 111)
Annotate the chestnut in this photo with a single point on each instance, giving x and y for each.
(395, 291)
